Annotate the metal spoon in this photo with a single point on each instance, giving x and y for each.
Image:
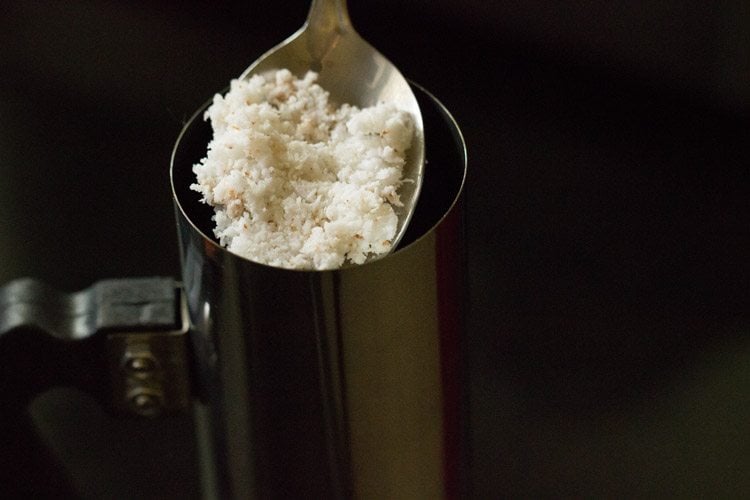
(354, 72)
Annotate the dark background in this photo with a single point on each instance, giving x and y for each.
(608, 224)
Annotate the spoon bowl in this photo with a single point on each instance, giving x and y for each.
(353, 72)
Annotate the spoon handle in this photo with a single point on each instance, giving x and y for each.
(327, 19)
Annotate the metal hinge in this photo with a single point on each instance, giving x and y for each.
(149, 370)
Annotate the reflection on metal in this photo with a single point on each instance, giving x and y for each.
(331, 384)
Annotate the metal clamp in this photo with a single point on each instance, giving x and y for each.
(149, 370)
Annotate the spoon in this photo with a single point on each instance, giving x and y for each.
(353, 72)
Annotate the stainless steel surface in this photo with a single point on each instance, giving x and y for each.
(331, 384)
(354, 72)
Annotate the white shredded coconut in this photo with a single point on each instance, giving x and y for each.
(296, 183)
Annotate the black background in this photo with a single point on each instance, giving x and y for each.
(608, 223)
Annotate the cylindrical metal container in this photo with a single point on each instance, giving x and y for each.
(331, 384)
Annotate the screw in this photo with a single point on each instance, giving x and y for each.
(146, 403)
(140, 364)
